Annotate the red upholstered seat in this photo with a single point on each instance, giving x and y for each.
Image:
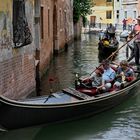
(90, 92)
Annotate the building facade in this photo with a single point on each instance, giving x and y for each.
(31, 31)
(17, 74)
(138, 7)
(46, 34)
(118, 12)
(126, 9)
(102, 12)
(130, 8)
(56, 30)
(63, 23)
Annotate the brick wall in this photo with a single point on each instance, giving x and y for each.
(17, 65)
(64, 16)
(46, 48)
(56, 29)
(17, 77)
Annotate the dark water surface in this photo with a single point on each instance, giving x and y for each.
(120, 123)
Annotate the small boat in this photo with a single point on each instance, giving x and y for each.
(106, 46)
(124, 35)
(68, 104)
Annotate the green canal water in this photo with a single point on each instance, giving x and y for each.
(119, 123)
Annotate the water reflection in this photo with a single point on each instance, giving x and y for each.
(81, 57)
(122, 123)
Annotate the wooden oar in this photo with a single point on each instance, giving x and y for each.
(116, 51)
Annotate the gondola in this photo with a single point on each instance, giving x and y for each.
(107, 46)
(68, 104)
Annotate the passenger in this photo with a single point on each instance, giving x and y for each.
(107, 77)
(96, 78)
(124, 73)
(136, 31)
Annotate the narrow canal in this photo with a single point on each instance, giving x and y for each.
(120, 123)
(81, 57)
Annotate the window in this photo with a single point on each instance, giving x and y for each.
(125, 14)
(134, 14)
(48, 22)
(117, 15)
(60, 14)
(108, 14)
(42, 24)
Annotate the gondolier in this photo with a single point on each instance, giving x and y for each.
(110, 31)
(136, 30)
(94, 80)
(107, 46)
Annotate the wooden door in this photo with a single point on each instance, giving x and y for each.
(92, 20)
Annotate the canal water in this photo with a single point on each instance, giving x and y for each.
(119, 123)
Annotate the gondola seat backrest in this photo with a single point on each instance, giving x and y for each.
(114, 68)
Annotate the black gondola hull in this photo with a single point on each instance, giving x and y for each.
(18, 115)
(108, 49)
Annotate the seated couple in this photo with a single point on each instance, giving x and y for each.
(124, 74)
(105, 77)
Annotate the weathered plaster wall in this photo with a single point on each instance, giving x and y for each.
(64, 18)
(46, 49)
(57, 29)
(99, 11)
(17, 67)
(5, 27)
(138, 7)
